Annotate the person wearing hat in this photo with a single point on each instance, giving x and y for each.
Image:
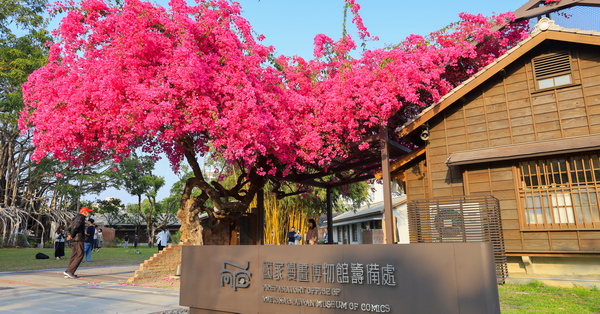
(75, 234)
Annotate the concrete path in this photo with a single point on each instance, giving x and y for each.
(98, 289)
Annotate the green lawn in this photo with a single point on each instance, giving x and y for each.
(536, 297)
(24, 259)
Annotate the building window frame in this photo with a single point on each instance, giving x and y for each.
(560, 193)
(354, 232)
(553, 70)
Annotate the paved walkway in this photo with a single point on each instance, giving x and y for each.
(99, 289)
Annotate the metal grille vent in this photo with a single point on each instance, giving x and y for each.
(460, 219)
(553, 64)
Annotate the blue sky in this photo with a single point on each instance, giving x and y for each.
(291, 26)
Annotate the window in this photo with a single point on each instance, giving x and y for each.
(552, 70)
(561, 193)
(354, 233)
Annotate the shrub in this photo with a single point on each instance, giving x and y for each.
(176, 237)
(112, 242)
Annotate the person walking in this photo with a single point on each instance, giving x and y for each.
(126, 239)
(59, 242)
(88, 244)
(135, 241)
(75, 234)
(98, 237)
(162, 238)
(95, 246)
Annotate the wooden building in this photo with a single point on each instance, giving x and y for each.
(526, 130)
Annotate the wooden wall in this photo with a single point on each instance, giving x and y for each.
(508, 110)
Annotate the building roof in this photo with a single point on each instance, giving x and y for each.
(373, 209)
(545, 29)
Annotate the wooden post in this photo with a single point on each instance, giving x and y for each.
(260, 217)
(388, 227)
(329, 217)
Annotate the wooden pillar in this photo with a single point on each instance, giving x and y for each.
(329, 217)
(260, 217)
(388, 216)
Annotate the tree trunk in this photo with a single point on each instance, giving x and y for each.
(191, 231)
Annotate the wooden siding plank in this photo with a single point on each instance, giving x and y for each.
(549, 135)
(536, 245)
(510, 233)
(576, 131)
(565, 245)
(474, 137)
(572, 110)
(543, 235)
(513, 245)
(457, 147)
(503, 186)
(502, 174)
(543, 99)
(590, 245)
(509, 214)
(517, 103)
(511, 224)
(522, 121)
(478, 127)
(507, 140)
(522, 130)
(579, 122)
(499, 116)
(478, 145)
(589, 235)
(501, 133)
(495, 110)
(568, 235)
(546, 108)
(569, 93)
(519, 112)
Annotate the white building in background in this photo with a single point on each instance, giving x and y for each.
(365, 225)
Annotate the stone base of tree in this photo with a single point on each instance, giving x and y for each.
(162, 264)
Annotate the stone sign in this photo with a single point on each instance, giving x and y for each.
(392, 278)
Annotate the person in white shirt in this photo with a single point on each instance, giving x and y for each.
(162, 238)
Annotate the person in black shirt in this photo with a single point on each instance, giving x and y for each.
(75, 234)
(292, 236)
(88, 244)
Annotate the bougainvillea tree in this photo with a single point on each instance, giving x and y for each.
(194, 79)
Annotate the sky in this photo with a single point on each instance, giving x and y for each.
(290, 26)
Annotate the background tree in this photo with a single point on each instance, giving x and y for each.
(134, 175)
(112, 209)
(194, 79)
(151, 210)
(22, 51)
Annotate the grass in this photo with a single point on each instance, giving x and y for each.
(24, 259)
(535, 297)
